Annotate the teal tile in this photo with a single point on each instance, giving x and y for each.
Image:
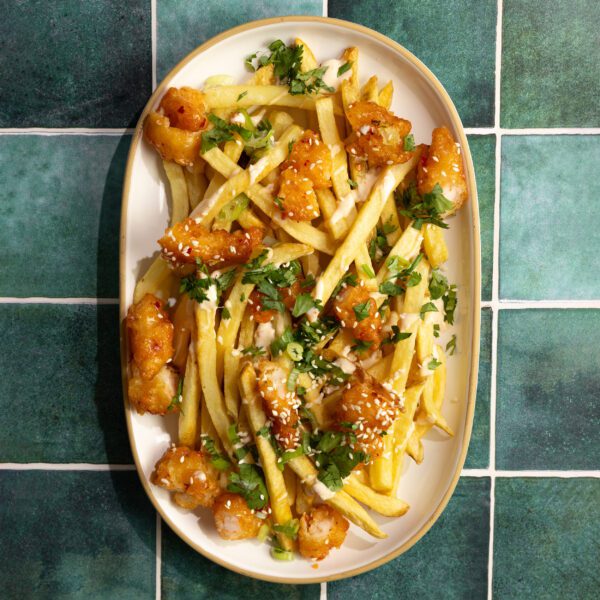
(483, 150)
(546, 539)
(60, 199)
(74, 64)
(183, 25)
(549, 235)
(455, 39)
(188, 575)
(550, 64)
(449, 562)
(60, 390)
(547, 410)
(478, 456)
(75, 535)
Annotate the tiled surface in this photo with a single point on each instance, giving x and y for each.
(73, 525)
(547, 406)
(75, 535)
(550, 66)
(180, 581)
(449, 562)
(549, 217)
(466, 29)
(60, 203)
(74, 64)
(546, 538)
(180, 30)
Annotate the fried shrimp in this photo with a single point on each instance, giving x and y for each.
(307, 168)
(357, 312)
(153, 395)
(186, 241)
(366, 403)
(443, 165)
(150, 334)
(321, 529)
(234, 519)
(377, 134)
(280, 405)
(188, 473)
(176, 129)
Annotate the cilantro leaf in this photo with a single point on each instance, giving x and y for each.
(348, 279)
(249, 483)
(450, 300)
(289, 529)
(178, 397)
(426, 209)
(361, 346)
(362, 310)
(427, 307)
(433, 364)
(396, 336)
(451, 345)
(353, 185)
(218, 460)
(438, 285)
(253, 351)
(304, 303)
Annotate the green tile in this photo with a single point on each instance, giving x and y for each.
(546, 539)
(183, 25)
(60, 390)
(75, 534)
(187, 574)
(449, 562)
(455, 39)
(478, 456)
(74, 64)
(60, 198)
(547, 413)
(550, 64)
(549, 235)
(483, 150)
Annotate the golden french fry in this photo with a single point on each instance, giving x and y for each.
(190, 403)
(384, 505)
(370, 91)
(180, 206)
(385, 95)
(435, 245)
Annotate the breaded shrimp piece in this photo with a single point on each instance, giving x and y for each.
(186, 241)
(443, 164)
(185, 108)
(352, 303)
(280, 405)
(234, 520)
(153, 395)
(298, 198)
(177, 145)
(321, 529)
(368, 404)
(311, 158)
(378, 135)
(150, 333)
(188, 473)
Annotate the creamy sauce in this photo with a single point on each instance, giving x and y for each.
(344, 208)
(264, 335)
(256, 169)
(407, 320)
(330, 77)
(388, 184)
(365, 184)
(345, 365)
(211, 299)
(319, 290)
(437, 318)
(313, 314)
(322, 491)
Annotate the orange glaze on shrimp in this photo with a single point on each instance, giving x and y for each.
(150, 334)
(366, 403)
(307, 168)
(234, 520)
(378, 135)
(368, 329)
(186, 241)
(188, 473)
(280, 405)
(443, 164)
(321, 529)
(175, 130)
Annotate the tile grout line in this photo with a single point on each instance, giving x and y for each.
(158, 553)
(325, 8)
(89, 131)
(521, 304)
(153, 41)
(42, 300)
(532, 131)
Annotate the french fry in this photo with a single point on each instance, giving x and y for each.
(158, 280)
(403, 428)
(196, 182)
(370, 91)
(309, 62)
(183, 324)
(390, 220)
(264, 95)
(263, 76)
(235, 185)
(280, 121)
(180, 206)
(365, 221)
(190, 403)
(407, 248)
(206, 355)
(435, 245)
(353, 511)
(280, 505)
(386, 94)
(384, 505)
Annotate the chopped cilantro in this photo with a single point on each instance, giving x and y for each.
(304, 303)
(433, 364)
(225, 314)
(426, 209)
(436, 330)
(450, 299)
(239, 450)
(361, 346)
(253, 351)
(290, 529)
(278, 202)
(222, 131)
(402, 277)
(345, 67)
(396, 336)
(451, 345)
(362, 310)
(427, 307)
(249, 483)
(217, 459)
(409, 143)
(438, 285)
(242, 95)
(178, 397)
(348, 279)
(353, 185)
